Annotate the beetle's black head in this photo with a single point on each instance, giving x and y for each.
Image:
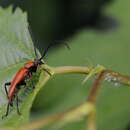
(38, 62)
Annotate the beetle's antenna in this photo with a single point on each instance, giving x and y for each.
(52, 44)
(29, 28)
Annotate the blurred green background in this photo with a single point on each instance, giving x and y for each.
(51, 20)
(97, 30)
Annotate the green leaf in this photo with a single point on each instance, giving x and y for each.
(110, 49)
(16, 48)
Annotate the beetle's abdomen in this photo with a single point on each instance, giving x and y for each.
(20, 75)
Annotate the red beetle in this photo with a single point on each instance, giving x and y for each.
(22, 76)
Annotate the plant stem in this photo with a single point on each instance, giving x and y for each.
(108, 75)
(91, 125)
(71, 69)
(117, 77)
(73, 114)
(95, 88)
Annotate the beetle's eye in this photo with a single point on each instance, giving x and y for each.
(40, 62)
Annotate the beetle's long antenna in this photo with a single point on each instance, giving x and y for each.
(52, 44)
(35, 52)
(29, 28)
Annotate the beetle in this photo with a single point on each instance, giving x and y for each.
(22, 76)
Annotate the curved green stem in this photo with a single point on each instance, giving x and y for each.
(71, 69)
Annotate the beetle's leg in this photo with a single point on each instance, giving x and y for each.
(32, 84)
(45, 70)
(17, 102)
(29, 76)
(22, 83)
(7, 84)
(6, 111)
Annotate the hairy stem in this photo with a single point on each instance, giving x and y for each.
(116, 77)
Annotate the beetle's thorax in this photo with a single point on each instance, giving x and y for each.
(29, 64)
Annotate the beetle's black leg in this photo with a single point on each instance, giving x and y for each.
(29, 76)
(47, 72)
(6, 111)
(17, 103)
(22, 83)
(6, 84)
(32, 84)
